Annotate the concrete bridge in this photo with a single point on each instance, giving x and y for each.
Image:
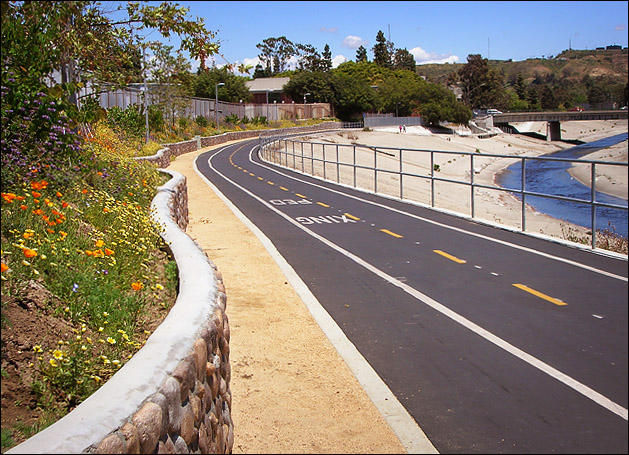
(554, 119)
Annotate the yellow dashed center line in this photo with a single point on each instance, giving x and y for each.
(386, 231)
(449, 256)
(322, 204)
(270, 183)
(300, 195)
(351, 216)
(282, 188)
(252, 175)
(540, 295)
(260, 178)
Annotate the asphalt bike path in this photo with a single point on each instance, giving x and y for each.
(493, 341)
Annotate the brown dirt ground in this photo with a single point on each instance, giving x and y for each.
(291, 390)
(30, 318)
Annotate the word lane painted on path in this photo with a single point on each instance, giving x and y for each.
(324, 219)
(289, 201)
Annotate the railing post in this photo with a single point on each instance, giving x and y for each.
(354, 165)
(593, 203)
(472, 185)
(401, 185)
(523, 194)
(432, 178)
(375, 171)
(338, 166)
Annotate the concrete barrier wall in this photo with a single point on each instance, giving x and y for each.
(173, 396)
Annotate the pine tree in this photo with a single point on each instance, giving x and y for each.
(361, 54)
(381, 55)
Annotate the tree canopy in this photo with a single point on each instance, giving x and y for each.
(80, 41)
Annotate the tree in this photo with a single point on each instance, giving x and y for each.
(261, 72)
(275, 53)
(403, 60)
(309, 58)
(352, 96)
(482, 87)
(381, 55)
(317, 83)
(520, 87)
(326, 61)
(79, 40)
(361, 54)
(173, 79)
(234, 90)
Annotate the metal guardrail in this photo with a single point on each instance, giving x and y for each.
(305, 156)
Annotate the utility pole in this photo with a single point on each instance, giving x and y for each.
(146, 94)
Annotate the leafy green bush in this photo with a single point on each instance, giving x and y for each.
(201, 121)
(156, 118)
(232, 119)
(130, 121)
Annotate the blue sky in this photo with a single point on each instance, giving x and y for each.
(434, 32)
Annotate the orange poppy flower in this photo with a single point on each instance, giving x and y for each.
(137, 286)
(29, 253)
(4, 267)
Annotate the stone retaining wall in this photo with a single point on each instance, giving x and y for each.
(173, 396)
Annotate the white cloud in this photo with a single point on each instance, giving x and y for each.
(329, 30)
(620, 27)
(337, 60)
(251, 61)
(353, 42)
(423, 58)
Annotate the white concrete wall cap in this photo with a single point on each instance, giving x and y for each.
(142, 376)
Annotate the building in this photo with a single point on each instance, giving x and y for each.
(268, 86)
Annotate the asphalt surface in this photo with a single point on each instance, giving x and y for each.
(494, 341)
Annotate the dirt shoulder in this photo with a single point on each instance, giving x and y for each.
(291, 390)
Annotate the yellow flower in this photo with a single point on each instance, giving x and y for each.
(110, 340)
(53, 362)
(37, 348)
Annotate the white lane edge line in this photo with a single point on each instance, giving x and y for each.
(410, 434)
(528, 358)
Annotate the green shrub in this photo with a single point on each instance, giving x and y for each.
(201, 121)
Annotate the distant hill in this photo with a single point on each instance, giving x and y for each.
(569, 65)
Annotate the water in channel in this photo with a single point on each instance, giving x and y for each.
(552, 177)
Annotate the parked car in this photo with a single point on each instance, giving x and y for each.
(493, 111)
(576, 109)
